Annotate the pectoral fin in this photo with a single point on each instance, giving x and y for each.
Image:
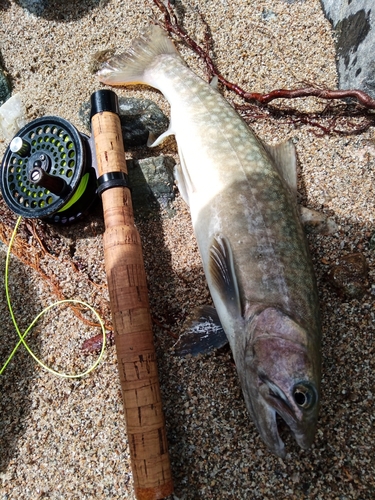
(203, 334)
(223, 275)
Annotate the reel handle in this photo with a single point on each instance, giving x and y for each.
(131, 316)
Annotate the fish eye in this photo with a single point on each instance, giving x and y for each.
(304, 395)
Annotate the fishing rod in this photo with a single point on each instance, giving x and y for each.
(52, 172)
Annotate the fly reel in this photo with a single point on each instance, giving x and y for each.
(47, 172)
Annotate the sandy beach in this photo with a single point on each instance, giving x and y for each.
(66, 439)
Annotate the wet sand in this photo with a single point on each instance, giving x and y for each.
(64, 439)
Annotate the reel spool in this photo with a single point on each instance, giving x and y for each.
(47, 172)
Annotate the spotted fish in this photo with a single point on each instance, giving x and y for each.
(242, 198)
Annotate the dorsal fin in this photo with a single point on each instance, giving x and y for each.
(285, 158)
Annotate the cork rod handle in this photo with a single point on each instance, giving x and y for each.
(130, 309)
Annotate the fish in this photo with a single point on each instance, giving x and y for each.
(242, 196)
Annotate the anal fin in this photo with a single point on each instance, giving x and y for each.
(180, 181)
(183, 180)
(153, 141)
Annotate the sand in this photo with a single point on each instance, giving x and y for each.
(66, 439)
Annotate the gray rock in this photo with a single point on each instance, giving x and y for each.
(5, 88)
(36, 7)
(61, 11)
(354, 24)
(138, 117)
(152, 184)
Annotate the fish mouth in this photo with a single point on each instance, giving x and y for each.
(304, 435)
(275, 426)
(270, 434)
(279, 409)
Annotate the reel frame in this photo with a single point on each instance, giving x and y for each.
(48, 172)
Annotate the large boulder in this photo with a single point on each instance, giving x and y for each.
(354, 22)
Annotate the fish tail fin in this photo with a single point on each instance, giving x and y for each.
(131, 66)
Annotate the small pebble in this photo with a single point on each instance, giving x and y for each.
(372, 242)
(349, 276)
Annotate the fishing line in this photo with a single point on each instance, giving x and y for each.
(55, 304)
(78, 194)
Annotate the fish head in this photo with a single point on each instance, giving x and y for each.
(281, 376)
